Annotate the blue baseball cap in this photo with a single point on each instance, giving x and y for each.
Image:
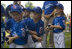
(37, 10)
(60, 6)
(2, 10)
(16, 9)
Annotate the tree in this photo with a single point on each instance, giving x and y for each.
(29, 4)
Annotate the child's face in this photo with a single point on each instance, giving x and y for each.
(26, 13)
(31, 14)
(36, 15)
(58, 10)
(16, 16)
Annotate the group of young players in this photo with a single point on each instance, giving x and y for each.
(27, 32)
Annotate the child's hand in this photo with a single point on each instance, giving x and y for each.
(52, 26)
(39, 38)
(10, 40)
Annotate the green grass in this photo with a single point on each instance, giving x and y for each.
(5, 45)
(67, 40)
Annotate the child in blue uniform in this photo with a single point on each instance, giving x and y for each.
(39, 26)
(58, 27)
(2, 27)
(28, 21)
(30, 25)
(17, 28)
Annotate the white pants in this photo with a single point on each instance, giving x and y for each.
(13, 45)
(30, 43)
(44, 41)
(59, 40)
(38, 45)
(41, 44)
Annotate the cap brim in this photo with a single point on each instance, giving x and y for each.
(16, 11)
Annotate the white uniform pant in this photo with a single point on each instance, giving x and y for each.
(30, 43)
(59, 40)
(38, 45)
(41, 44)
(13, 45)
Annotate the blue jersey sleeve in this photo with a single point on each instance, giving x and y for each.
(40, 28)
(62, 22)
